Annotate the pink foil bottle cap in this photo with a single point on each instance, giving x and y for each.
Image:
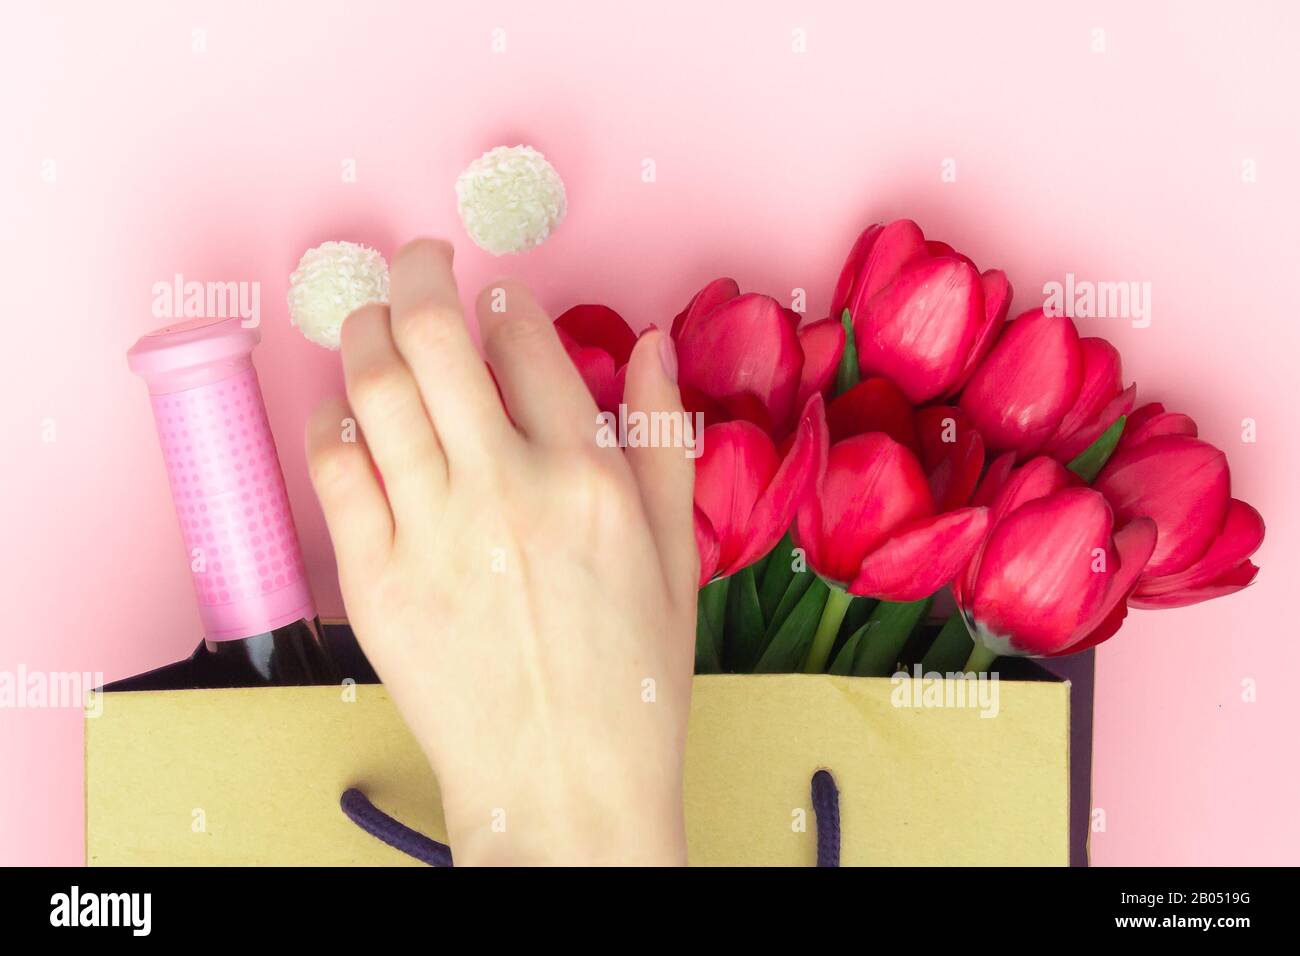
(225, 477)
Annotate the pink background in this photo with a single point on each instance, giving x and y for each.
(225, 165)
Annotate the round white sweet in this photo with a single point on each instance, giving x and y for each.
(333, 280)
(510, 199)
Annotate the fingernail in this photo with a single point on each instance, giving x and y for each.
(668, 356)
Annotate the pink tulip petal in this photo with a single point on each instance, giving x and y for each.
(1026, 384)
(937, 248)
(918, 331)
(696, 402)
(703, 302)
(1229, 582)
(1164, 423)
(997, 302)
(743, 348)
(873, 405)
(1074, 445)
(1102, 632)
(823, 345)
(736, 466)
(952, 454)
(884, 255)
(598, 326)
(1141, 415)
(852, 268)
(596, 366)
(774, 511)
(1102, 381)
(1036, 478)
(1170, 423)
(1180, 482)
(1036, 582)
(986, 492)
(1003, 490)
(747, 407)
(1241, 536)
(1133, 546)
(921, 558)
(999, 471)
(871, 487)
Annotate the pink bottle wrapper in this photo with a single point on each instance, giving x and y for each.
(225, 477)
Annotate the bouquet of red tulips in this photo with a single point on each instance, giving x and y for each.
(854, 468)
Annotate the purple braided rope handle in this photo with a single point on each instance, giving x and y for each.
(393, 832)
(826, 804)
(359, 809)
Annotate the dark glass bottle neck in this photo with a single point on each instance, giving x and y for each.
(290, 655)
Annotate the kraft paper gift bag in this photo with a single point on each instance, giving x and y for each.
(253, 776)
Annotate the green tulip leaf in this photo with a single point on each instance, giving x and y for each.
(710, 614)
(777, 575)
(847, 375)
(744, 632)
(859, 613)
(843, 662)
(799, 586)
(790, 643)
(952, 645)
(1089, 462)
(706, 648)
(885, 633)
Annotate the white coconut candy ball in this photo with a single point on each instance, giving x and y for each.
(333, 280)
(510, 199)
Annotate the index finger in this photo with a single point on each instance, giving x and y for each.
(429, 330)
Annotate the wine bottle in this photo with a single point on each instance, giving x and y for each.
(259, 620)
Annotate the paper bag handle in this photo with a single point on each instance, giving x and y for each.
(393, 832)
(359, 809)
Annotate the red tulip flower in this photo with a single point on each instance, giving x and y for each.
(705, 301)
(873, 405)
(923, 315)
(1042, 389)
(822, 344)
(950, 451)
(1053, 575)
(1161, 470)
(870, 523)
(599, 342)
(746, 493)
(739, 357)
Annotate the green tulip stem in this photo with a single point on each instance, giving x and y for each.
(980, 659)
(837, 605)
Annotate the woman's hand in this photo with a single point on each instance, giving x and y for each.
(526, 595)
